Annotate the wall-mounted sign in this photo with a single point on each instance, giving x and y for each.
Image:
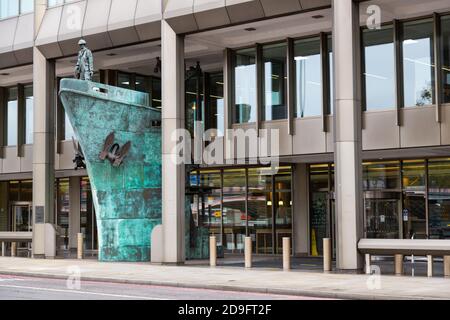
(405, 215)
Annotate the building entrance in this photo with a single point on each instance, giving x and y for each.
(382, 214)
(22, 221)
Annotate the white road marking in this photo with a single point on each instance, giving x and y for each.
(82, 292)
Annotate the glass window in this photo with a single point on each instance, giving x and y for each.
(26, 6)
(308, 78)
(439, 198)
(244, 110)
(124, 80)
(330, 59)
(156, 93)
(418, 63)
(283, 207)
(446, 58)
(12, 117)
(29, 109)
(260, 203)
(381, 175)
(88, 222)
(379, 66)
(63, 211)
(216, 112)
(9, 8)
(275, 82)
(234, 213)
(52, 3)
(68, 129)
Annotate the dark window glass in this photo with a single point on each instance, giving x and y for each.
(88, 222)
(275, 81)
(330, 59)
(381, 175)
(216, 112)
(244, 109)
(418, 63)
(308, 78)
(446, 58)
(124, 80)
(439, 198)
(379, 66)
(63, 211)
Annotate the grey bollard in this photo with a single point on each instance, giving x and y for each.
(447, 266)
(3, 249)
(286, 254)
(213, 251)
(80, 244)
(398, 264)
(327, 255)
(248, 252)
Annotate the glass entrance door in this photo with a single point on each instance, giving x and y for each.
(414, 216)
(22, 218)
(382, 215)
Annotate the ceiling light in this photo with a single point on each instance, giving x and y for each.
(250, 29)
(410, 41)
(4, 74)
(317, 16)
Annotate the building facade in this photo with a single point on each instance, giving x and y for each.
(359, 92)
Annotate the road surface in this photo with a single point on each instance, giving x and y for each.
(31, 288)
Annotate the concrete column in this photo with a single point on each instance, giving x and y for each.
(368, 263)
(74, 214)
(213, 251)
(3, 248)
(173, 174)
(248, 252)
(447, 266)
(430, 266)
(301, 210)
(347, 133)
(44, 143)
(286, 254)
(398, 264)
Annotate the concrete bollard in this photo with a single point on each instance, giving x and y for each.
(327, 255)
(3, 248)
(368, 263)
(430, 266)
(213, 251)
(248, 252)
(13, 249)
(80, 244)
(447, 266)
(286, 254)
(398, 264)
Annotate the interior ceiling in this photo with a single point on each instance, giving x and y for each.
(207, 47)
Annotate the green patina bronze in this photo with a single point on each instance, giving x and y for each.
(127, 198)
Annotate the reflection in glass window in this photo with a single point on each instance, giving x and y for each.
(124, 80)
(29, 109)
(439, 198)
(379, 68)
(244, 109)
(418, 60)
(68, 129)
(26, 6)
(446, 58)
(381, 175)
(308, 82)
(216, 104)
(63, 211)
(9, 8)
(12, 117)
(275, 81)
(330, 59)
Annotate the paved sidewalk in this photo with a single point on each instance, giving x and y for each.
(274, 281)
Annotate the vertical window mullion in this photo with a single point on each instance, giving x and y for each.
(325, 77)
(398, 71)
(259, 85)
(290, 85)
(437, 45)
(20, 119)
(3, 118)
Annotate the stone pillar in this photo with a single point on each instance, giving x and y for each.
(44, 143)
(347, 133)
(74, 214)
(173, 174)
(301, 210)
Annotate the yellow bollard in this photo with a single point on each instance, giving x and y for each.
(314, 251)
(286, 254)
(327, 255)
(213, 251)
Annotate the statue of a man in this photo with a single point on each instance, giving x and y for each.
(85, 64)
